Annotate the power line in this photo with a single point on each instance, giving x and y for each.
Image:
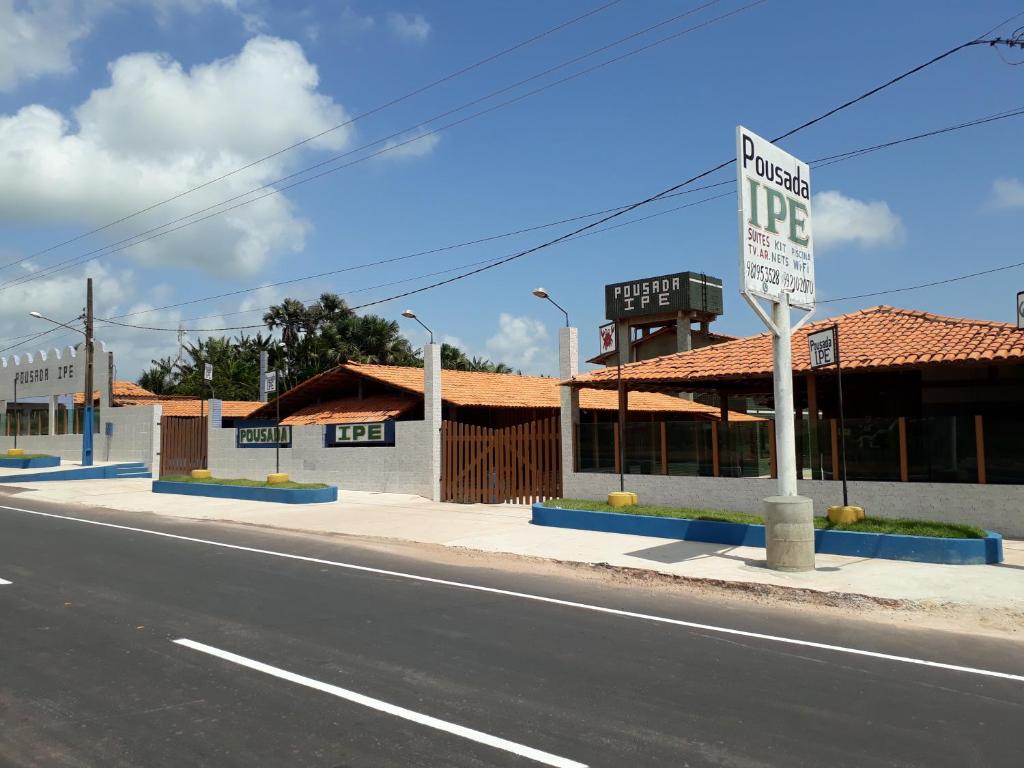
(932, 284)
(188, 220)
(33, 338)
(638, 204)
(818, 163)
(346, 123)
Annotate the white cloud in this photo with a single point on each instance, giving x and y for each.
(840, 220)
(409, 26)
(353, 21)
(1008, 193)
(523, 343)
(158, 129)
(413, 145)
(37, 36)
(36, 39)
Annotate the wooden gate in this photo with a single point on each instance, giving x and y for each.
(182, 444)
(519, 464)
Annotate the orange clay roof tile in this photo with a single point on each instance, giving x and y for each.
(350, 410)
(877, 338)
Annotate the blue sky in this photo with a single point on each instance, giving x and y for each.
(121, 104)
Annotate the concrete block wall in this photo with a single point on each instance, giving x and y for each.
(995, 507)
(404, 468)
(136, 437)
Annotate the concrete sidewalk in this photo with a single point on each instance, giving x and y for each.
(506, 529)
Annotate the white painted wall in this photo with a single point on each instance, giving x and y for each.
(404, 468)
(995, 507)
(136, 438)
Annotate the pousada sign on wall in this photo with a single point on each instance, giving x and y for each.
(368, 433)
(776, 244)
(263, 436)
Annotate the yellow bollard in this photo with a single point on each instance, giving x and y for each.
(275, 478)
(841, 515)
(15, 451)
(201, 474)
(621, 499)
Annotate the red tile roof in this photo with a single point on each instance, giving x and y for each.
(351, 410)
(489, 390)
(880, 338)
(231, 409)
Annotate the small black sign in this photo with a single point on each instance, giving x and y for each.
(369, 433)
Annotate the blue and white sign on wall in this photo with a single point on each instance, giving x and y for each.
(370, 433)
(262, 435)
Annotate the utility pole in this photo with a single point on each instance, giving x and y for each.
(88, 401)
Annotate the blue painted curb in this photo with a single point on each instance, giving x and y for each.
(107, 472)
(280, 495)
(10, 462)
(887, 546)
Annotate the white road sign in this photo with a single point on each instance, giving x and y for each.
(270, 382)
(776, 246)
(207, 372)
(823, 347)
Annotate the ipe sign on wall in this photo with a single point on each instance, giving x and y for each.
(776, 246)
(370, 433)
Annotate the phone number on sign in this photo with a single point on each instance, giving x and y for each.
(763, 274)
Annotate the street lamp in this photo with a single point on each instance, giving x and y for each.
(87, 401)
(540, 293)
(412, 316)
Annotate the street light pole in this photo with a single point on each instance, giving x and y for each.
(88, 414)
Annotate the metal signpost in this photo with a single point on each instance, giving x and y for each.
(606, 342)
(823, 348)
(208, 379)
(777, 264)
(270, 385)
(1020, 311)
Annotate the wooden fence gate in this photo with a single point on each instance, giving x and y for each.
(182, 444)
(520, 464)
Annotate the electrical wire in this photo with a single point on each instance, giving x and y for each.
(390, 145)
(633, 206)
(818, 163)
(346, 123)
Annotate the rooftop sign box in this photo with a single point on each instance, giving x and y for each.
(682, 291)
(368, 434)
(776, 244)
(53, 372)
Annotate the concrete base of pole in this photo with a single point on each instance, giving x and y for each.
(789, 533)
(275, 478)
(201, 474)
(15, 451)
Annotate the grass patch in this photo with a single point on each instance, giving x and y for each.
(867, 525)
(28, 456)
(241, 482)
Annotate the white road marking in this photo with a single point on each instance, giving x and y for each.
(391, 709)
(542, 599)
(4, 582)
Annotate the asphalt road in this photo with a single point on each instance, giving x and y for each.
(290, 662)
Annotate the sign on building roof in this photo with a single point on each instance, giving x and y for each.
(686, 291)
(606, 338)
(776, 244)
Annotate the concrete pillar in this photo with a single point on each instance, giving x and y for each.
(684, 338)
(51, 419)
(568, 366)
(432, 413)
(789, 533)
(623, 342)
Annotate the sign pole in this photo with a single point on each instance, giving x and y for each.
(15, 412)
(277, 443)
(785, 430)
(842, 416)
(622, 428)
